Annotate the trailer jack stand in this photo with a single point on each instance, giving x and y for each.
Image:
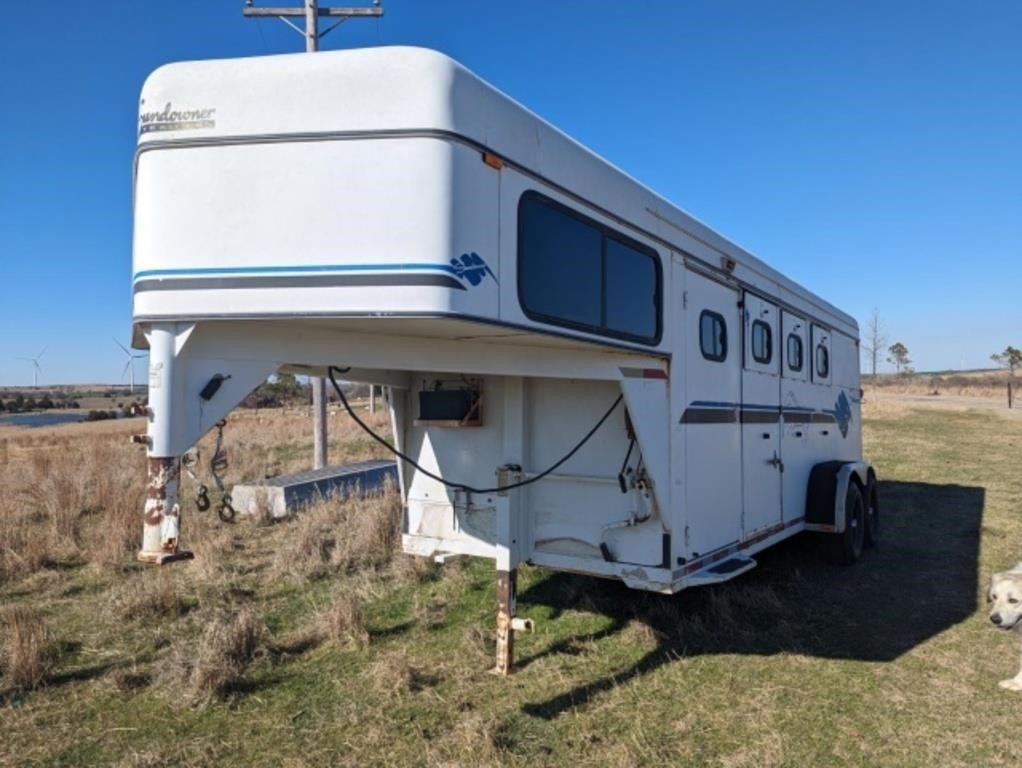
(162, 523)
(507, 622)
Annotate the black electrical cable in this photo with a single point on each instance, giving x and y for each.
(461, 486)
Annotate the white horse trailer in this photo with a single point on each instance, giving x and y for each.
(579, 374)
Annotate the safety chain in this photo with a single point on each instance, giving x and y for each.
(217, 467)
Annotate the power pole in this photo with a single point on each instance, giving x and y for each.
(311, 11)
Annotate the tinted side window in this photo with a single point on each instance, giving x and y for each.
(794, 352)
(631, 291)
(575, 272)
(762, 343)
(712, 336)
(561, 264)
(822, 361)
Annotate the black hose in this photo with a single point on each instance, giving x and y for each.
(461, 486)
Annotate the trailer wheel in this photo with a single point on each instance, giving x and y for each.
(846, 548)
(872, 500)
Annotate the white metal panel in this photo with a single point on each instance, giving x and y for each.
(761, 443)
(581, 506)
(847, 402)
(713, 442)
(357, 227)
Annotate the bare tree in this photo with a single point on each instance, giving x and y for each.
(875, 339)
(899, 357)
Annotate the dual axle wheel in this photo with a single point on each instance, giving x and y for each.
(862, 524)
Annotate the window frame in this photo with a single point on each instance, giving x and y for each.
(723, 336)
(766, 360)
(605, 234)
(801, 353)
(824, 375)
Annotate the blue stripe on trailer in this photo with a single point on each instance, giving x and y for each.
(297, 269)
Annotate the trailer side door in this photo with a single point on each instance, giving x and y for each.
(713, 442)
(796, 414)
(761, 437)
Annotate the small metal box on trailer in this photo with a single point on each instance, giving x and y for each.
(579, 374)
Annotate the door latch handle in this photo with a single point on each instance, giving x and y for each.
(776, 462)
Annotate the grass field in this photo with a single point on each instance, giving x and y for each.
(287, 645)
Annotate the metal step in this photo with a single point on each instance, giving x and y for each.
(725, 570)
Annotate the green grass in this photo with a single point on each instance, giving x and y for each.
(798, 663)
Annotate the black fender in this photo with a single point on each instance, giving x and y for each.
(825, 496)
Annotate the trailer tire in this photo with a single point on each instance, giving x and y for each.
(846, 548)
(872, 511)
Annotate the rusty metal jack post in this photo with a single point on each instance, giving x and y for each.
(160, 535)
(507, 622)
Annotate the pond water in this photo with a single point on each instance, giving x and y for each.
(41, 419)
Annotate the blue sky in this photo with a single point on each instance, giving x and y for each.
(870, 150)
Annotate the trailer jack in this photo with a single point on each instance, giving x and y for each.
(162, 530)
(507, 622)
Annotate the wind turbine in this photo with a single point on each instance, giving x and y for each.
(130, 365)
(36, 370)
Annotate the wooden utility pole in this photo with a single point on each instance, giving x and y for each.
(311, 11)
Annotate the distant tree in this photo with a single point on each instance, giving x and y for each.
(1010, 358)
(2, 408)
(898, 356)
(45, 402)
(875, 339)
(279, 390)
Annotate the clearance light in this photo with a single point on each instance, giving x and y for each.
(492, 160)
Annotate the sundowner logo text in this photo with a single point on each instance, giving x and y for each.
(170, 119)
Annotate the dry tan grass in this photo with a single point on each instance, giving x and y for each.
(74, 493)
(152, 595)
(27, 651)
(964, 384)
(341, 535)
(79, 503)
(208, 670)
(212, 543)
(397, 672)
(343, 622)
(413, 569)
(478, 643)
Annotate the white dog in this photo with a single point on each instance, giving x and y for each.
(1006, 610)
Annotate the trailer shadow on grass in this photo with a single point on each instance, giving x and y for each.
(920, 580)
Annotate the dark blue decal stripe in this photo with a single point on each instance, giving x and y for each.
(704, 415)
(758, 416)
(715, 412)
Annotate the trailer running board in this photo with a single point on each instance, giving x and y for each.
(721, 571)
